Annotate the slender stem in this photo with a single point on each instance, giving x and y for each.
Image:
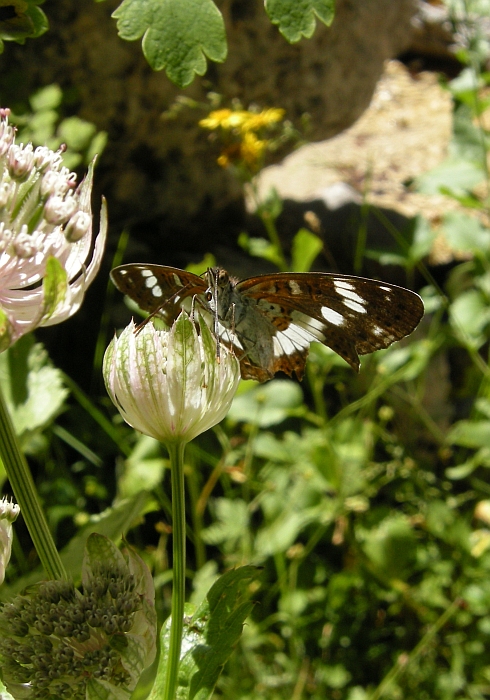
(399, 668)
(176, 453)
(26, 496)
(270, 227)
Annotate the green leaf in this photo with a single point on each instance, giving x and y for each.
(55, 283)
(4, 694)
(297, 18)
(38, 18)
(469, 315)
(452, 175)
(232, 521)
(33, 388)
(47, 98)
(305, 248)
(391, 547)
(469, 433)
(260, 248)
(200, 267)
(144, 468)
(422, 241)
(178, 34)
(465, 233)
(76, 133)
(210, 636)
(268, 404)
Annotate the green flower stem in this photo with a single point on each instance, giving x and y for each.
(25, 494)
(270, 227)
(176, 454)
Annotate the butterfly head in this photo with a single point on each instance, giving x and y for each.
(219, 286)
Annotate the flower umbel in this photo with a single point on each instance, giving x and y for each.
(58, 642)
(8, 514)
(169, 384)
(45, 237)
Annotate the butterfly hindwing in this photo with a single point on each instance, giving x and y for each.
(352, 315)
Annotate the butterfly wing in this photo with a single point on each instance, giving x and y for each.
(352, 315)
(157, 288)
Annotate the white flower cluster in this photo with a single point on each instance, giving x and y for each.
(47, 256)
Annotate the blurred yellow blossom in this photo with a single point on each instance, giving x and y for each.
(242, 131)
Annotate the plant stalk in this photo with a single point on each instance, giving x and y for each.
(176, 454)
(26, 496)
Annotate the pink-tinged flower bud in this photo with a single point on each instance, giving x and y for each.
(20, 161)
(25, 245)
(58, 210)
(77, 227)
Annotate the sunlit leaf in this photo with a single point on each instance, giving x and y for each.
(178, 35)
(297, 18)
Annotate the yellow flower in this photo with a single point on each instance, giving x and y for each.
(223, 161)
(252, 149)
(263, 119)
(216, 119)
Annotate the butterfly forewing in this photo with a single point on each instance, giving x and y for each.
(157, 288)
(270, 320)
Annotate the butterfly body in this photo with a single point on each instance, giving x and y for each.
(270, 320)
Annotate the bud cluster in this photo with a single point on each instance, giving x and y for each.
(43, 215)
(37, 193)
(55, 639)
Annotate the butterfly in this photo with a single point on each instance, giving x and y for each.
(270, 320)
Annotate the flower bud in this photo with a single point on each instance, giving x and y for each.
(8, 514)
(170, 384)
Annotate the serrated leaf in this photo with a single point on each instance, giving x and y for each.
(232, 520)
(178, 34)
(210, 636)
(297, 18)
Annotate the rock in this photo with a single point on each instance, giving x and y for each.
(160, 176)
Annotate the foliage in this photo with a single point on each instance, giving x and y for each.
(44, 125)
(21, 20)
(350, 513)
(179, 35)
